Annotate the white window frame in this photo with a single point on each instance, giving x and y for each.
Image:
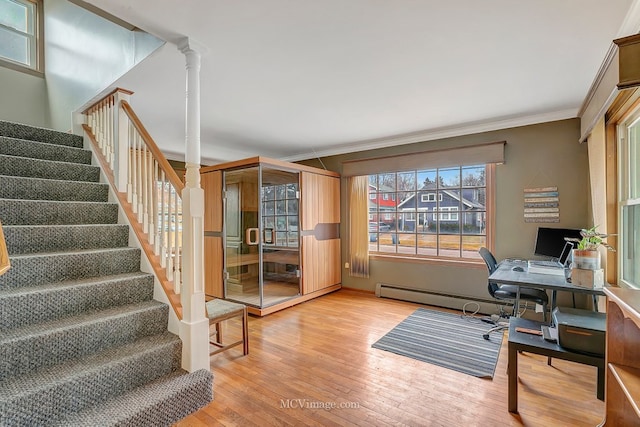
(447, 213)
(35, 38)
(626, 198)
(431, 197)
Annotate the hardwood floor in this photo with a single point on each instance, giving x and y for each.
(304, 359)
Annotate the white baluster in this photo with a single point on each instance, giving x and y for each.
(99, 126)
(152, 202)
(139, 176)
(169, 239)
(107, 131)
(134, 170)
(130, 170)
(163, 222)
(145, 188)
(178, 243)
(111, 150)
(103, 127)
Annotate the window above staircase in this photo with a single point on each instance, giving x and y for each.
(21, 33)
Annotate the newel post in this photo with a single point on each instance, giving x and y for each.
(121, 133)
(194, 327)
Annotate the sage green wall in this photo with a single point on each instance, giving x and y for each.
(84, 55)
(24, 98)
(540, 155)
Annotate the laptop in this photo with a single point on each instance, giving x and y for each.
(560, 262)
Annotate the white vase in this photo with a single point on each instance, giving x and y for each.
(586, 259)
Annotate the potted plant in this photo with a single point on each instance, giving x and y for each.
(586, 255)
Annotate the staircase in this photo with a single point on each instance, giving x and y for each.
(82, 342)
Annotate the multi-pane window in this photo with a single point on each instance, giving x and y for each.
(430, 197)
(19, 32)
(439, 212)
(629, 225)
(280, 215)
(448, 213)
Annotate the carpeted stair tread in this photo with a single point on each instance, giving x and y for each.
(43, 151)
(39, 212)
(34, 133)
(18, 187)
(32, 305)
(26, 239)
(43, 396)
(154, 404)
(33, 381)
(49, 267)
(36, 168)
(34, 347)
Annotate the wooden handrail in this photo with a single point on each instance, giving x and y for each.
(170, 173)
(5, 264)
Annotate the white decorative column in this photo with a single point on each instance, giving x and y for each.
(194, 327)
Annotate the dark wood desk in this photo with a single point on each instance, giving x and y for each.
(520, 341)
(505, 275)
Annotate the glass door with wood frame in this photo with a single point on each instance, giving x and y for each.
(262, 239)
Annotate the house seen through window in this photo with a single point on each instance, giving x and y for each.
(440, 212)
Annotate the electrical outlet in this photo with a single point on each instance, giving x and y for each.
(346, 265)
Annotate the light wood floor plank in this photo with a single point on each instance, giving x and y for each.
(319, 352)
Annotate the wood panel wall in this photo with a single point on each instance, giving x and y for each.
(213, 266)
(320, 264)
(320, 200)
(321, 254)
(211, 182)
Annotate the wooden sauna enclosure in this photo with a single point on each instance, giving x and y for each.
(272, 233)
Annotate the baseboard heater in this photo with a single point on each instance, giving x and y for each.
(439, 299)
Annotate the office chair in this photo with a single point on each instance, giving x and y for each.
(509, 292)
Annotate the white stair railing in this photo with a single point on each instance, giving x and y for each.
(141, 172)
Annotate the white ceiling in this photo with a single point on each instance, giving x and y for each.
(287, 78)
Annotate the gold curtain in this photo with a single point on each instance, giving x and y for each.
(358, 196)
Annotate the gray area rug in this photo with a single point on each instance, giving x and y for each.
(445, 339)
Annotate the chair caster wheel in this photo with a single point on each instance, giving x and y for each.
(486, 337)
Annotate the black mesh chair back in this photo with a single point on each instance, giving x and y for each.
(492, 265)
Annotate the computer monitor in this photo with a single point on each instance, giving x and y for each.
(550, 241)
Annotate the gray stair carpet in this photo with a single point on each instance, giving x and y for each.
(82, 342)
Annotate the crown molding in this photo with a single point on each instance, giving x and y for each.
(600, 75)
(440, 133)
